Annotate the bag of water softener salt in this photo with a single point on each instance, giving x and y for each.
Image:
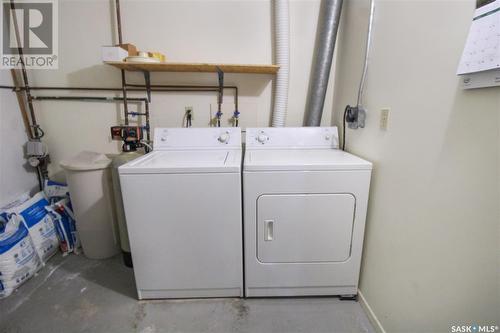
(22, 198)
(54, 191)
(40, 225)
(64, 222)
(18, 258)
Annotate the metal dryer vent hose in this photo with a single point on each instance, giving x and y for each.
(282, 36)
(328, 25)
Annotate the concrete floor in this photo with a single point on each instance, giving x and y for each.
(74, 294)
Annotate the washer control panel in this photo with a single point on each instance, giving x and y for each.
(292, 137)
(197, 138)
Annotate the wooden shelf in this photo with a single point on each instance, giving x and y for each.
(194, 67)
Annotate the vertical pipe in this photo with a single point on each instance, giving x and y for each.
(282, 37)
(119, 22)
(328, 25)
(220, 76)
(124, 93)
(148, 128)
(22, 105)
(34, 124)
(120, 42)
(36, 133)
(236, 98)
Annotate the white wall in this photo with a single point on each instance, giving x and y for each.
(15, 176)
(431, 256)
(232, 31)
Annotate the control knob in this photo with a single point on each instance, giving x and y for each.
(224, 137)
(262, 138)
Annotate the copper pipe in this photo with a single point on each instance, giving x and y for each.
(201, 88)
(125, 99)
(156, 88)
(119, 21)
(34, 124)
(148, 130)
(120, 42)
(22, 105)
(103, 99)
(84, 98)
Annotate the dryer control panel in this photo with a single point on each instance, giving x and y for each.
(292, 137)
(197, 138)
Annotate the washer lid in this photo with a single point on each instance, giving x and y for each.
(191, 161)
(303, 159)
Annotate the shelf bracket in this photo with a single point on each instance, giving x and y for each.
(147, 79)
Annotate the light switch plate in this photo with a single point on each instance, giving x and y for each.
(384, 119)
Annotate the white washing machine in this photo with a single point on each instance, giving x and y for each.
(183, 210)
(304, 213)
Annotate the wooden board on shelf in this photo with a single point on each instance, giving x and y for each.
(194, 67)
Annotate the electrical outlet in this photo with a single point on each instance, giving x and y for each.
(384, 119)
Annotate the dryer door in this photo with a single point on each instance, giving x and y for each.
(304, 228)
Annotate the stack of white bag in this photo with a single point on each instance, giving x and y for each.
(30, 232)
(61, 212)
(18, 258)
(64, 222)
(39, 223)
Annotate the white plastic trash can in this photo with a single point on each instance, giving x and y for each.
(89, 179)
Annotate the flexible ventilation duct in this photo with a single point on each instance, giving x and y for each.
(328, 25)
(282, 35)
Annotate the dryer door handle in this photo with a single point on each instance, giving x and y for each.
(269, 230)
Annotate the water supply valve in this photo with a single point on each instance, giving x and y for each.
(236, 117)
